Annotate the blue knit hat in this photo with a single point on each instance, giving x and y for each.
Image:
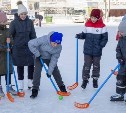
(56, 37)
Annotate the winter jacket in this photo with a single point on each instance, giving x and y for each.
(96, 37)
(3, 51)
(22, 31)
(41, 46)
(121, 49)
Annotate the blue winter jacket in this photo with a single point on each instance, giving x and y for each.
(96, 37)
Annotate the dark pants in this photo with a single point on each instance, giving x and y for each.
(37, 74)
(20, 71)
(121, 80)
(6, 79)
(88, 61)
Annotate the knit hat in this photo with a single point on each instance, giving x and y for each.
(122, 27)
(3, 17)
(56, 37)
(96, 13)
(21, 8)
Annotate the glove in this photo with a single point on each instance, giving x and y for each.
(80, 35)
(38, 57)
(48, 75)
(121, 61)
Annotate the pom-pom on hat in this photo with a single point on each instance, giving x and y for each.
(56, 37)
(96, 13)
(21, 8)
(3, 17)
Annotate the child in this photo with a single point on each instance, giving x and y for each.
(118, 35)
(3, 52)
(121, 57)
(49, 48)
(22, 30)
(96, 37)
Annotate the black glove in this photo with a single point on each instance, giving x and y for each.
(80, 35)
(38, 57)
(121, 61)
(48, 75)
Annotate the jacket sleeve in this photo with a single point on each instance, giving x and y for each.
(11, 30)
(82, 35)
(2, 48)
(34, 45)
(104, 38)
(118, 51)
(33, 33)
(53, 62)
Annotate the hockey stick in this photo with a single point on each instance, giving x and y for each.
(116, 72)
(58, 92)
(86, 105)
(20, 94)
(76, 83)
(8, 70)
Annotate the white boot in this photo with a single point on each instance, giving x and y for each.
(1, 91)
(30, 83)
(21, 85)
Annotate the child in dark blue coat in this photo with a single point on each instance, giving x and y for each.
(96, 37)
(121, 57)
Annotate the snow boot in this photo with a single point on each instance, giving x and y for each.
(62, 88)
(11, 90)
(95, 82)
(117, 97)
(84, 84)
(34, 93)
(30, 84)
(1, 92)
(21, 84)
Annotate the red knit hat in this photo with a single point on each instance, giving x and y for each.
(96, 13)
(3, 17)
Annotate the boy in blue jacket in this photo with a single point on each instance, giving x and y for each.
(96, 37)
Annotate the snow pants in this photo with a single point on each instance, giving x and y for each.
(88, 61)
(121, 80)
(37, 73)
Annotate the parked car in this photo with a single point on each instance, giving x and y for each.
(10, 15)
(78, 18)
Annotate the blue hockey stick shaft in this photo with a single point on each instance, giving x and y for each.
(103, 84)
(47, 72)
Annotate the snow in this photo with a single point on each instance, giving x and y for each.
(47, 100)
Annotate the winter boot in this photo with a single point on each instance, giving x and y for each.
(117, 97)
(34, 93)
(1, 92)
(30, 84)
(11, 90)
(95, 82)
(62, 88)
(21, 84)
(84, 84)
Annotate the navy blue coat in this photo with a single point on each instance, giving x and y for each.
(96, 37)
(22, 31)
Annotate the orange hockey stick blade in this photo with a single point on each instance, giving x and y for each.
(63, 93)
(21, 94)
(10, 97)
(115, 73)
(81, 106)
(73, 86)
